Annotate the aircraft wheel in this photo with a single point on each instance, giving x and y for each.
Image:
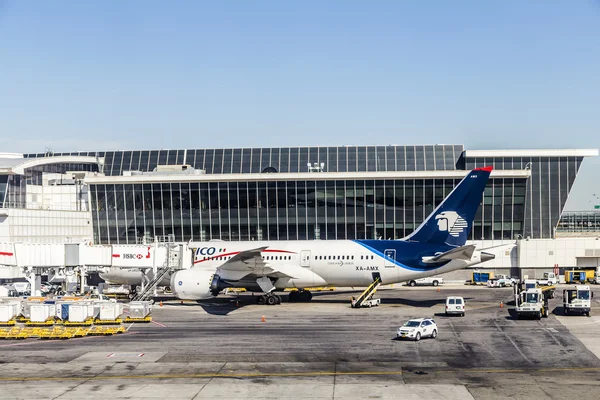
(271, 300)
(261, 300)
(277, 298)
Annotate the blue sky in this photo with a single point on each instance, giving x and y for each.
(149, 74)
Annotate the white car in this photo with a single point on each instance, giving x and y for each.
(493, 283)
(455, 305)
(434, 281)
(417, 328)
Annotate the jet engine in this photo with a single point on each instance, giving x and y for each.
(192, 284)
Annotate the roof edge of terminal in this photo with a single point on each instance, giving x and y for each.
(532, 153)
(295, 176)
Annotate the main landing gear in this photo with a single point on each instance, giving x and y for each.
(300, 296)
(269, 299)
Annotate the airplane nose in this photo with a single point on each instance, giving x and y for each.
(487, 256)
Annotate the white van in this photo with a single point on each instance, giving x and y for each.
(455, 305)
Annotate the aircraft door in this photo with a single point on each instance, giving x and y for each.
(305, 258)
(390, 257)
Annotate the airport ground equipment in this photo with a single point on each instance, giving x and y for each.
(455, 305)
(533, 302)
(366, 298)
(577, 300)
(481, 277)
(110, 313)
(575, 276)
(8, 313)
(139, 311)
(430, 280)
(549, 279)
(42, 314)
(148, 291)
(505, 280)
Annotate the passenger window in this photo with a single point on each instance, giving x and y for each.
(458, 301)
(450, 301)
(343, 257)
(371, 257)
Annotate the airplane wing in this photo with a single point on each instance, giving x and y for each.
(461, 253)
(251, 262)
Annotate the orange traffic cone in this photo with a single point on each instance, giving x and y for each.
(439, 290)
(160, 304)
(263, 319)
(501, 304)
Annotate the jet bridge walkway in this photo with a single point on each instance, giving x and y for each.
(366, 297)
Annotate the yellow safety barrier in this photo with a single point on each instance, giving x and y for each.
(12, 322)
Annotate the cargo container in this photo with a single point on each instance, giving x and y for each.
(8, 311)
(139, 309)
(110, 311)
(80, 312)
(42, 312)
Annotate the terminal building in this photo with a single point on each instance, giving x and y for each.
(290, 193)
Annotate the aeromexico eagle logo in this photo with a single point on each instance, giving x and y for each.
(451, 222)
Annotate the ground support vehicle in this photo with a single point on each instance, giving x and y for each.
(431, 281)
(533, 302)
(455, 305)
(549, 279)
(366, 298)
(577, 300)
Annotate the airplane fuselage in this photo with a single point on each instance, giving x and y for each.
(318, 263)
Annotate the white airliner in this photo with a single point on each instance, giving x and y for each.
(436, 247)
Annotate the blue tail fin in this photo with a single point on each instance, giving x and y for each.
(451, 222)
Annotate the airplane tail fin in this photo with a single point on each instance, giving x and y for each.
(451, 222)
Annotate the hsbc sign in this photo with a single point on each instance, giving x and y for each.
(132, 256)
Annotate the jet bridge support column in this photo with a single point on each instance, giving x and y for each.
(35, 281)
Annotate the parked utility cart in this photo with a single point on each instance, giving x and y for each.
(577, 300)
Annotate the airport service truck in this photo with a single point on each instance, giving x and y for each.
(549, 279)
(577, 300)
(533, 302)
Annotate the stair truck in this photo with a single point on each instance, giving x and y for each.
(533, 302)
(578, 300)
(366, 298)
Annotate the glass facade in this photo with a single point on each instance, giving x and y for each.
(546, 192)
(287, 209)
(290, 210)
(582, 221)
(13, 188)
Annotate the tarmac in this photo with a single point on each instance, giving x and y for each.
(319, 350)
